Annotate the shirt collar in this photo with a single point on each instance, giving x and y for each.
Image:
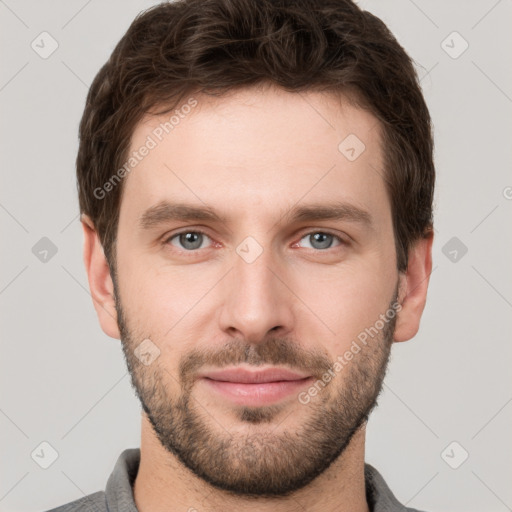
(119, 489)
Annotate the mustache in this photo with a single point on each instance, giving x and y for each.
(274, 351)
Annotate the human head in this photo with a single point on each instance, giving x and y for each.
(257, 142)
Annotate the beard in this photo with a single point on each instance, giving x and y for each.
(259, 462)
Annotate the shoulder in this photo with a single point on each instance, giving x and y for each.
(95, 502)
(379, 495)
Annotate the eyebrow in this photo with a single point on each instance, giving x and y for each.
(165, 211)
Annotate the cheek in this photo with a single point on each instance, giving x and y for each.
(346, 299)
(144, 297)
(161, 302)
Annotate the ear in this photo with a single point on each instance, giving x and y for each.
(413, 288)
(100, 280)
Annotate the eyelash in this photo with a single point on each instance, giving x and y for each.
(167, 240)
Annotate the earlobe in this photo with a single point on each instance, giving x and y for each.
(100, 280)
(413, 288)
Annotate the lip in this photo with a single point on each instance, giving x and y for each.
(246, 376)
(255, 388)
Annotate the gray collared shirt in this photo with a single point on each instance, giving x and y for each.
(118, 495)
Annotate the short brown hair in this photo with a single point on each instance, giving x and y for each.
(213, 46)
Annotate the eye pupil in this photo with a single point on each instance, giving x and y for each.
(190, 240)
(323, 240)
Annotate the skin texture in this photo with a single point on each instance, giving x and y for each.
(252, 156)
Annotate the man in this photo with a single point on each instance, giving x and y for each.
(255, 181)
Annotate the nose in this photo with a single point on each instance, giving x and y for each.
(257, 299)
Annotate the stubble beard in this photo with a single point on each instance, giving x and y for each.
(258, 461)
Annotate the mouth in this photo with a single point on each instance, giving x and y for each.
(255, 388)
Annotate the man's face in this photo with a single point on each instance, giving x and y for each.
(261, 288)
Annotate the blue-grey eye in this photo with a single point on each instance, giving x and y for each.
(188, 240)
(320, 240)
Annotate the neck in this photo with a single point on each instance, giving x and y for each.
(164, 484)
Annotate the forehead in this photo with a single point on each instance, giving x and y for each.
(256, 148)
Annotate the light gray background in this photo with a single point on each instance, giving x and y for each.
(64, 381)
